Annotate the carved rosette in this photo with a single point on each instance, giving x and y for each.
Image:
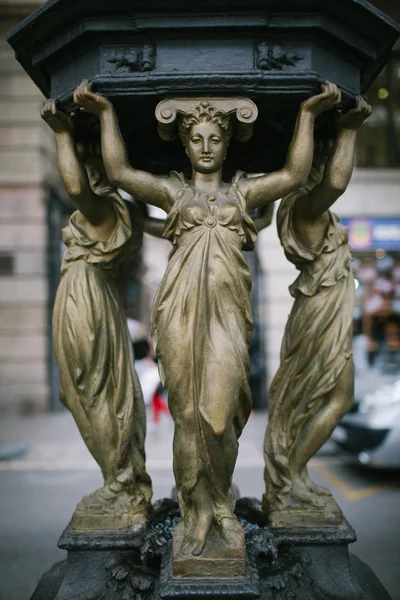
(242, 110)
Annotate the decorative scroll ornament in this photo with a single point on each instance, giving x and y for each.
(243, 111)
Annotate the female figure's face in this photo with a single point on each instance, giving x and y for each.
(206, 147)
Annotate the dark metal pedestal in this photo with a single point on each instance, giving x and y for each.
(276, 52)
(283, 565)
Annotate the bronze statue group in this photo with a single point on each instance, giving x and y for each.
(201, 319)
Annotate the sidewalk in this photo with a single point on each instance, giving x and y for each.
(53, 443)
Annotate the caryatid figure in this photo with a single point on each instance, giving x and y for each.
(98, 381)
(201, 319)
(314, 385)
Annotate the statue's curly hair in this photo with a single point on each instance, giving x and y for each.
(204, 112)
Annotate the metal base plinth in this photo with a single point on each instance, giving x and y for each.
(246, 586)
(281, 564)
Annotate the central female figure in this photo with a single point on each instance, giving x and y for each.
(201, 318)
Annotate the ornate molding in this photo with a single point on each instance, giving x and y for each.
(127, 579)
(275, 57)
(243, 110)
(131, 60)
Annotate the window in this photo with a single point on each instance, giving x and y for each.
(6, 264)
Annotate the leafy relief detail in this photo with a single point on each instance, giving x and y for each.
(274, 568)
(274, 57)
(130, 581)
(289, 581)
(133, 59)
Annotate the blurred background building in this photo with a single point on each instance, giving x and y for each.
(34, 207)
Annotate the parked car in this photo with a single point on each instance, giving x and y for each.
(371, 431)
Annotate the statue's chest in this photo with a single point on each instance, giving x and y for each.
(221, 207)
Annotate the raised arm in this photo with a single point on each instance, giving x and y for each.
(268, 188)
(311, 209)
(339, 166)
(158, 191)
(73, 174)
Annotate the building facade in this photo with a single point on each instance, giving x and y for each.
(28, 187)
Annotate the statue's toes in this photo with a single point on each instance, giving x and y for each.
(194, 541)
(199, 546)
(232, 532)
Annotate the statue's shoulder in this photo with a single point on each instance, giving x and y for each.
(175, 176)
(238, 176)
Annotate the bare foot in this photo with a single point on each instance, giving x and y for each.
(105, 501)
(194, 540)
(232, 532)
(140, 521)
(116, 487)
(318, 490)
(301, 493)
(97, 501)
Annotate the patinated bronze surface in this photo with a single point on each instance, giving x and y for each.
(313, 387)
(201, 319)
(99, 384)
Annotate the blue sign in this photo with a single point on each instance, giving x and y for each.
(370, 233)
